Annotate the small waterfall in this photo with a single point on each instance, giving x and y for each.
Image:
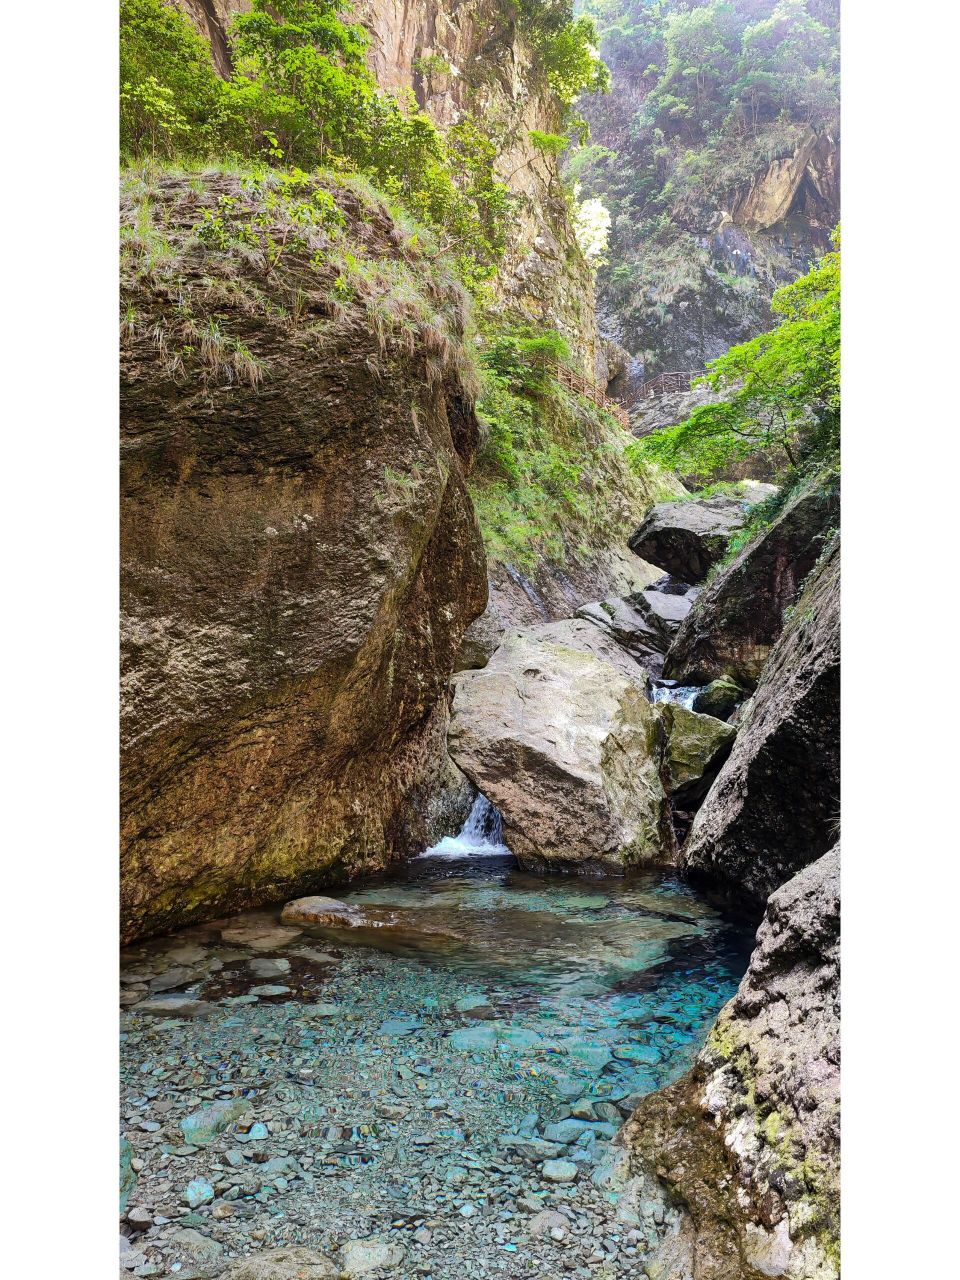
(682, 695)
(480, 837)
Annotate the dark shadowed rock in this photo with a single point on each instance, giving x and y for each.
(774, 804)
(300, 560)
(738, 616)
(558, 732)
(688, 538)
(748, 1142)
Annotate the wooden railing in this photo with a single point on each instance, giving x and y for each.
(664, 383)
(574, 381)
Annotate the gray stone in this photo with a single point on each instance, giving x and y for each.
(687, 538)
(360, 1257)
(559, 1171)
(558, 732)
(295, 1263)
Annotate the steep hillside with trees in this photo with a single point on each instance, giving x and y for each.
(717, 155)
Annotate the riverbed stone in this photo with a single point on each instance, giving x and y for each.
(557, 731)
(202, 1126)
(319, 910)
(361, 1257)
(198, 1191)
(560, 1171)
(295, 1263)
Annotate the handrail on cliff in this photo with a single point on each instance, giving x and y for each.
(664, 383)
(574, 381)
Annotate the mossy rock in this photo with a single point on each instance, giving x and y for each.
(696, 747)
(719, 698)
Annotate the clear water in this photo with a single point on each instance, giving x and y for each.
(421, 1067)
(682, 695)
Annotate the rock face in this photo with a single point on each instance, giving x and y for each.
(747, 1144)
(775, 802)
(558, 732)
(687, 538)
(299, 562)
(738, 616)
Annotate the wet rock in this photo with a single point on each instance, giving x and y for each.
(475, 1007)
(360, 1257)
(739, 615)
(558, 732)
(260, 935)
(696, 747)
(687, 538)
(761, 1103)
(173, 978)
(201, 1127)
(774, 804)
(174, 1007)
(319, 911)
(270, 968)
(719, 698)
(295, 1263)
(559, 1171)
(270, 989)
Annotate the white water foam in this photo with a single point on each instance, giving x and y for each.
(682, 695)
(480, 837)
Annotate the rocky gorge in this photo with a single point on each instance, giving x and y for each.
(479, 885)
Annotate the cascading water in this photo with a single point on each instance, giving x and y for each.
(480, 837)
(682, 695)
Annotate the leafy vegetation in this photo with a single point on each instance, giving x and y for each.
(301, 96)
(782, 389)
(547, 455)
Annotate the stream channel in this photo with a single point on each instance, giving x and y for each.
(432, 1084)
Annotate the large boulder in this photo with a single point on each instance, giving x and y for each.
(747, 1144)
(738, 616)
(696, 747)
(687, 538)
(558, 732)
(299, 556)
(775, 803)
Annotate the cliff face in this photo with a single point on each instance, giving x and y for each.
(721, 187)
(469, 58)
(746, 1146)
(299, 554)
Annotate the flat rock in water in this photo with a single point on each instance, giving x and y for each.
(283, 1264)
(269, 967)
(320, 911)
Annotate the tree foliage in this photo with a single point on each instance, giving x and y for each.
(782, 389)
